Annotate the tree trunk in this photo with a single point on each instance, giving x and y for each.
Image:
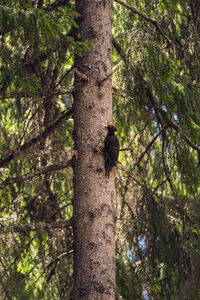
(94, 194)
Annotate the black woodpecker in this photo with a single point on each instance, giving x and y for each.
(111, 149)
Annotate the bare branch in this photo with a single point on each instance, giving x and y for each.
(81, 75)
(65, 75)
(146, 18)
(159, 185)
(126, 149)
(36, 173)
(104, 79)
(119, 49)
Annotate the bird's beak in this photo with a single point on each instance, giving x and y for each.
(104, 125)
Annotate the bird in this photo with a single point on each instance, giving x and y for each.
(111, 149)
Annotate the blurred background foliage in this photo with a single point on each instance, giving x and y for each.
(157, 112)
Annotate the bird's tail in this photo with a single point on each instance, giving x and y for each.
(107, 168)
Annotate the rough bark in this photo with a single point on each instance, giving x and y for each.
(94, 194)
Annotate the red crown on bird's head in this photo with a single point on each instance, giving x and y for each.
(111, 125)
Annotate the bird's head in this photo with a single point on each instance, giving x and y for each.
(111, 128)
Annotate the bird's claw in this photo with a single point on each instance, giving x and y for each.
(97, 148)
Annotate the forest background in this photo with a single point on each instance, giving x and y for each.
(156, 110)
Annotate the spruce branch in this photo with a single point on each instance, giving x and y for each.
(146, 18)
(44, 93)
(160, 113)
(34, 174)
(41, 136)
(165, 117)
(41, 226)
(150, 145)
(55, 5)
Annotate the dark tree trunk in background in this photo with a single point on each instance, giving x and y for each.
(94, 194)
